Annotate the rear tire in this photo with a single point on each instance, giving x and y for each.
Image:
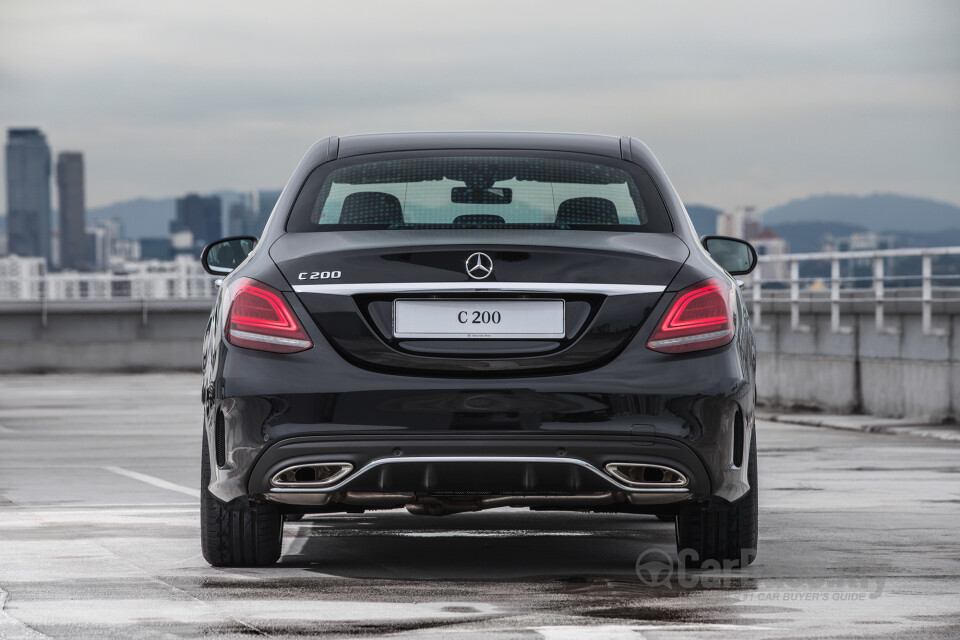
(725, 532)
(237, 537)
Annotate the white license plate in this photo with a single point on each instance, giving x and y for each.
(457, 319)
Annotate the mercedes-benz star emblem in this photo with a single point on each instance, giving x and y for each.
(479, 266)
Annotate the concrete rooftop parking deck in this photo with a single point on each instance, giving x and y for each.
(99, 538)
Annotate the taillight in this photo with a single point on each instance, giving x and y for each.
(700, 318)
(261, 319)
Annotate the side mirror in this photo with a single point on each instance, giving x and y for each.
(223, 256)
(737, 256)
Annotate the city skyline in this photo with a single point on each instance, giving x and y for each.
(745, 103)
(199, 219)
(61, 239)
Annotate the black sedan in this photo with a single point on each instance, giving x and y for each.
(464, 321)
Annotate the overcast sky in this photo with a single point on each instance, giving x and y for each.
(751, 102)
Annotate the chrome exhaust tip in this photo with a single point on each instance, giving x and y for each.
(646, 476)
(315, 475)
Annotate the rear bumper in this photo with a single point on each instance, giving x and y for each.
(479, 466)
(691, 412)
(679, 412)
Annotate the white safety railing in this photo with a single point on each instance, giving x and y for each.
(176, 282)
(843, 290)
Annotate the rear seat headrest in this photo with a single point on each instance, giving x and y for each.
(587, 211)
(371, 207)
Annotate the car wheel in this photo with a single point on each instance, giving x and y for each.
(724, 532)
(236, 537)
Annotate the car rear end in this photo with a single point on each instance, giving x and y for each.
(443, 326)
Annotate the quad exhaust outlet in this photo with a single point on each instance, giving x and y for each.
(646, 476)
(311, 476)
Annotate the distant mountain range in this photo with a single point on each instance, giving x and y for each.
(141, 218)
(877, 212)
(807, 237)
(916, 222)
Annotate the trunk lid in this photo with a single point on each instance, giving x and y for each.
(609, 282)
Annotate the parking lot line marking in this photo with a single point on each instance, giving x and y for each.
(13, 629)
(605, 631)
(634, 632)
(157, 482)
(146, 507)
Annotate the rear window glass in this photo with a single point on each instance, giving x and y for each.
(478, 191)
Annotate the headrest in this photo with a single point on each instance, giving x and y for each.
(371, 207)
(587, 211)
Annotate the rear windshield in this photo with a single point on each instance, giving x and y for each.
(397, 191)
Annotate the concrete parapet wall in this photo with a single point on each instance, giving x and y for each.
(103, 336)
(901, 372)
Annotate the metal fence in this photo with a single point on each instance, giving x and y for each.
(910, 285)
(25, 280)
(109, 286)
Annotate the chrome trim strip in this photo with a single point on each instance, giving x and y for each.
(697, 337)
(460, 287)
(428, 459)
(262, 337)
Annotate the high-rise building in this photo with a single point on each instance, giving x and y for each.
(769, 243)
(156, 248)
(237, 220)
(266, 201)
(70, 196)
(740, 223)
(103, 240)
(200, 215)
(241, 218)
(28, 193)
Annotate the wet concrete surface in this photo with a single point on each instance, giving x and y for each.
(99, 538)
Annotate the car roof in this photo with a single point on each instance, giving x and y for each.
(572, 142)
